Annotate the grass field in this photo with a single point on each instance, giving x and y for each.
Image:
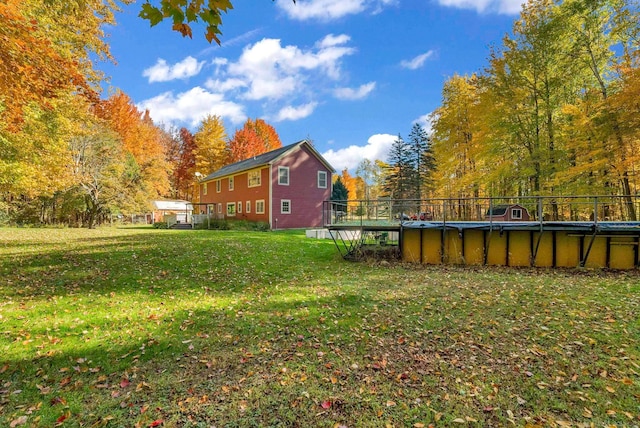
(144, 327)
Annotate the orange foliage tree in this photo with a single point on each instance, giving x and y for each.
(31, 68)
(351, 184)
(255, 138)
(184, 170)
(141, 138)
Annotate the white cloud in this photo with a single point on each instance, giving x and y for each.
(426, 121)
(416, 62)
(354, 94)
(163, 72)
(284, 75)
(327, 10)
(377, 147)
(506, 7)
(218, 85)
(191, 107)
(295, 113)
(331, 40)
(323, 10)
(272, 71)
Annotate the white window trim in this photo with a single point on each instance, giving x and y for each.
(258, 203)
(282, 204)
(218, 186)
(231, 183)
(284, 168)
(204, 188)
(259, 174)
(248, 207)
(513, 212)
(229, 205)
(320, 173)
(219, 207)
(239, 207)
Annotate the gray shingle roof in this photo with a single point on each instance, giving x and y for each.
(254, 162)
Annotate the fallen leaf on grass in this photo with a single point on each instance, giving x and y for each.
(156, 423)
(43, 389)
(63, 418)
(58, 400)
(611, 390)
(459, 421)
(19, 421)
(325, 404)
(124, 383)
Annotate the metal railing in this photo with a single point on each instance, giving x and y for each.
(515, 208)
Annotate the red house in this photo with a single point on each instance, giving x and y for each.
(512, 212)
(284, 187)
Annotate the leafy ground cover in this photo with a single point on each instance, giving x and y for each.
(145, 327)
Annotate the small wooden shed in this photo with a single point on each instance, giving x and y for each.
(513, 212)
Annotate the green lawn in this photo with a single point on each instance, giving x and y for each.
(145, 327)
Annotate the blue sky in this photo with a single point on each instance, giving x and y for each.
(348, 74)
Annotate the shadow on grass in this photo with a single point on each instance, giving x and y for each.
(121, 363)
(163, 260)
(233, 329)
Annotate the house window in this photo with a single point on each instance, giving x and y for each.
(239, 207)
(218, 186)
(230, 183)
(248, 207)
(260, 206)
(322, 179)
(231, 209)
(283, 175)
(285, 206)
(204, 188)
(219, 208)
(210, 209)
(254, 178)
(516, 213)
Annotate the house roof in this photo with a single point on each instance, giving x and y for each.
(172, 205)
(264, 159)
(501, 209)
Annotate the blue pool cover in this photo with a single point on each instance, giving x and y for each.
(567, 226)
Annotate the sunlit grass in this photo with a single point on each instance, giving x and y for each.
(131, 327)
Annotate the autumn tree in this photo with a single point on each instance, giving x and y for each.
(597, 30)
(141, 138)
(185, 169)
(105, 174)
(211, 145)
(185, 12)
(254, 138)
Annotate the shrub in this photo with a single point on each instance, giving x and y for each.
(219, 224)
(160, 225)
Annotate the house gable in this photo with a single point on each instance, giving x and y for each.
(299, 166)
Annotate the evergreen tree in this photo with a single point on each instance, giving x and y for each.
(399, 182)
(340, 195)
(339, 191)
(423, 161)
